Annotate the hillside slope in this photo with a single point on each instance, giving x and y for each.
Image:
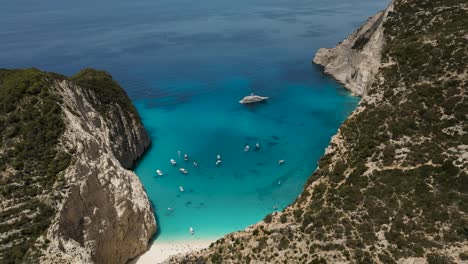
(66, 194)
(392, 187)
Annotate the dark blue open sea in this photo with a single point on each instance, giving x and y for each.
(186, 64)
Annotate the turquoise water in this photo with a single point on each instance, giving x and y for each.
(186, 65)
(294, 125)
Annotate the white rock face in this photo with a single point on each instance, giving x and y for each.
(252, 99)
(106, 216)
(355, 61)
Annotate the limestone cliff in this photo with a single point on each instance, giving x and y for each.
(392, 187)
(355, 61)
(97, 209)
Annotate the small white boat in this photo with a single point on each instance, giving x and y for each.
(191, 230)
(184, 171)
(195, 164)
(218, 162)
(181, 188)
(173, 162)
(257, 145)
(185, 157)
(218, 157)
(279, 182)
(170, 209)
(246, 148)
(280, 162)
(159, 172)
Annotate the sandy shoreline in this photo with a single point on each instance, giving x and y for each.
(161, 250)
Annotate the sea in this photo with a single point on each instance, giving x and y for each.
(185, 65)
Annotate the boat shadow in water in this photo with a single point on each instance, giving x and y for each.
(254, 106)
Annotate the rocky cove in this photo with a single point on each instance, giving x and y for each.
(390, 187)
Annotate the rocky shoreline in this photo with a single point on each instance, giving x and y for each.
(355, 61)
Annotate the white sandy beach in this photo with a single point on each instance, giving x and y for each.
(160, 251)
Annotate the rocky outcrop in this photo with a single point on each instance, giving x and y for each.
(106, 216)
(110, 100)
(67, 195)
(392, 185)
(355, 61)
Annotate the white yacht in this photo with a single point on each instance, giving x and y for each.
(159, 172)
(185, 157)
(246, 148)
(252, 98)
(257, 145)
(181, 188)
(195, 164)
(184, 171)
(218, 162)
(191, 230)
(218, 157)
(280, 162)
(173, 162)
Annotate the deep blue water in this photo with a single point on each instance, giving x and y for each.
(186, 64)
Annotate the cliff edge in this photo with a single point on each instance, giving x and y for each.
(67, 194)
(392, 186)
(355, 61)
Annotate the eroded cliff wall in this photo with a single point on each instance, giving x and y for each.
(355, 61)
(98, 211)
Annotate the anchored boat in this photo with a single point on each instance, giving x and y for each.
(252, 98)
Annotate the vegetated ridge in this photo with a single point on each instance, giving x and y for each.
(65, 147)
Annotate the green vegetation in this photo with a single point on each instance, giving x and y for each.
(106, 90)
(426, 189)
(30, 161)
(33, 157)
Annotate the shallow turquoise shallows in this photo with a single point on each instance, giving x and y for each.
(186, 64)
(295, 125)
